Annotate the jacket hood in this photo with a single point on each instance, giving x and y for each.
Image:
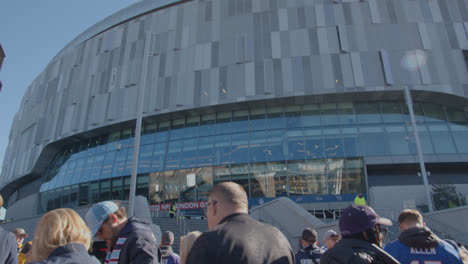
(166, 251)
(135, 223)
(419, 237)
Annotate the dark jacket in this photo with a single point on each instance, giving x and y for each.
(419, 244)
(8, 250)
(241, 239)
(168, 256)
(310, 254)
(350, 251)
(140, 246)
(69, 254)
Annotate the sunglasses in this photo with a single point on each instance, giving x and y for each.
(205, 209)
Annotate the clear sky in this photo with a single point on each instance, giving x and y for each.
(32, 32)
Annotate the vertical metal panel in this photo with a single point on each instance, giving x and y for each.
(343, 38)
(374, 11)
(386, 67)
(322, 40)
(320, 15)
(249, 79)
(357, 69)
(425, 40)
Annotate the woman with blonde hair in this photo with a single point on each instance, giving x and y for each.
(62, 237)
(186, 243)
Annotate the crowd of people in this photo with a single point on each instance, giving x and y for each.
(62, 236)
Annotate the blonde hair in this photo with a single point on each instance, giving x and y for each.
(186, 243)
(58, 228)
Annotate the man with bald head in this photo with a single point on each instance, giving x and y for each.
(234, 236)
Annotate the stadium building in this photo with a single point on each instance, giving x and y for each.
(296, 98)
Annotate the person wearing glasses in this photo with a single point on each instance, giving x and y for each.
(362, 233)
(128, 240)
(417, 244)
(234, 236)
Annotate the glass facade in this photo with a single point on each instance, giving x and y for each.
(308, 149)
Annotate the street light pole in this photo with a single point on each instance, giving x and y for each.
(136, 149)
(409, 103)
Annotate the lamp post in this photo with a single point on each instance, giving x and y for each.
(136, 150)
(409, 103)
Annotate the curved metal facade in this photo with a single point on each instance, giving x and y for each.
(222, 54)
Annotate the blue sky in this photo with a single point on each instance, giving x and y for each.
(32, 32)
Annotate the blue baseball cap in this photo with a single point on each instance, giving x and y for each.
(98, 214)
(356, 219)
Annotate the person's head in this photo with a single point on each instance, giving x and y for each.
(186, 243)
(360, 195)
(167, 238)
(106, 220)
(409, 218)
(362, 222)
(330, 238)
(58, 228)
(20, 235)
(225, 199)
(309, 237)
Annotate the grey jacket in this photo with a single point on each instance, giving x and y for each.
(141, 246)
(8, 247)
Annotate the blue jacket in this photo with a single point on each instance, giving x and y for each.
(69, 254)
(420, 245)
(8, 250)
(307, 254)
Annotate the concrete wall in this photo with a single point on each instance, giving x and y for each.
(450, 223)
(215, 52)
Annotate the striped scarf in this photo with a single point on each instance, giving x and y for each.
(114, 255)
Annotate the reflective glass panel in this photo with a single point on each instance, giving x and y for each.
(177, 129)
(159, 152)
(313, 143)
(240, 148)
(355, 173)
(368, 112)
(94, 192)
(107, 165)
(333, 142)
(433, 113)
(240, 175)
(316, 176)
(274, 118)
(205, 151)
(297, 175)
(240, 121)
(105, 190)
(172, 186)
(207, 125)
(191, 127)
(173, 154)
(119, 164)
(336, 176)
(346, 112)
(311, 115)
(188, 185)
(223, 123)
(460, 135)
(222, 149)
(204, 177)
(295, 144)
(257, 147)
(391, 112)
(329, 115)
(397, 139)
(275, 145)
(257, 119)
(372, 140)
(293, 116)
(156, 187)
(221, 174)
(145, 158)
(189, 154)
(117, 190)
(142, 185)
(350, 141)
(442, 139)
